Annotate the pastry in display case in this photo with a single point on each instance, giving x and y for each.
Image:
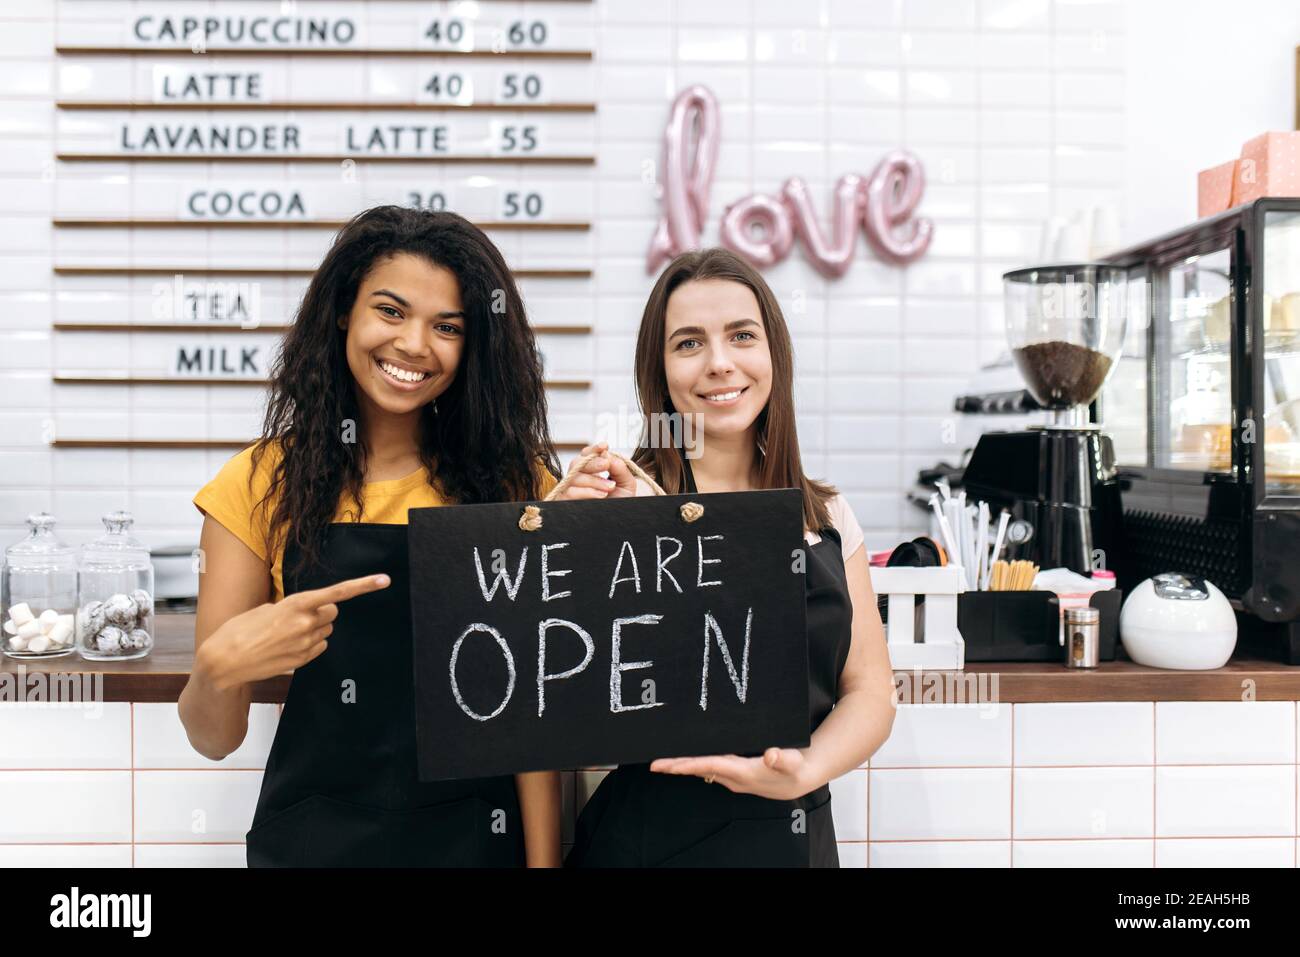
(1206, 410)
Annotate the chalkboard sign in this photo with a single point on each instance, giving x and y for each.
(616, 632)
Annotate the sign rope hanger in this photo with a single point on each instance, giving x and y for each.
(531, 520)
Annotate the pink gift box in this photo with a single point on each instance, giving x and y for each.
(1269, 166)
(1214, 188)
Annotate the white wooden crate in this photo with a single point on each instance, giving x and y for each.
(942, 647)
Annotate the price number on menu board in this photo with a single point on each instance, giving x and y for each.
(521, 204)
(521, 86)
(434, 202)
(449, 87)
(449, 33)
(526, 33)
(509, 139)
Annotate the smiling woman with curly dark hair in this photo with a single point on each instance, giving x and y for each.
(409, 378)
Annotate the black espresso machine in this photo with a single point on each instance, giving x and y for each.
(1066, 328)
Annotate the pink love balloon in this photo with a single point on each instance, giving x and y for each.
(832, 258)
(687, 175)
(737, 229)
(893, 192)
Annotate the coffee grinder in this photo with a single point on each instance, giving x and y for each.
(1065, 326)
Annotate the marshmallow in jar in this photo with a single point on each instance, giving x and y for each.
(38, 593)
(115, 597)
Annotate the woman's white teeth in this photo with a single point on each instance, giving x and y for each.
(403, 374)
(723, 396)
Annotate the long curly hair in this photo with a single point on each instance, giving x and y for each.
(487, 439)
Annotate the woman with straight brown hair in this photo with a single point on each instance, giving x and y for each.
(714, 350)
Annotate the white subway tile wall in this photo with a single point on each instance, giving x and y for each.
(953, 788)
(1015, 108)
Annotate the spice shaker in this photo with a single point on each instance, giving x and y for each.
(1082, 637)
(38, 593)
(115, 597)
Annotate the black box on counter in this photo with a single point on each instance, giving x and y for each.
(1026, 625)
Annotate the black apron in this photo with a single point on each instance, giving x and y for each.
(340, 787)
(641, 818)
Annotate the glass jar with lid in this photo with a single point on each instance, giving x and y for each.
(115, 595)
(38, 593)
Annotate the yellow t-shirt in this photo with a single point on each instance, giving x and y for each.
(229, 501)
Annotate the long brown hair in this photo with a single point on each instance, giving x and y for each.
(487, 439)
(779, 465)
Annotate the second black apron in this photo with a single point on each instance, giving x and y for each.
(340, 788)
(641, 818)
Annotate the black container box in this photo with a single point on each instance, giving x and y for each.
(1025, 625)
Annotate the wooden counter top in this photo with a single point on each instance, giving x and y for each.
(1017, 682)
(162, 675)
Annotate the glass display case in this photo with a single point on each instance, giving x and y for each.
(1205, 410)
